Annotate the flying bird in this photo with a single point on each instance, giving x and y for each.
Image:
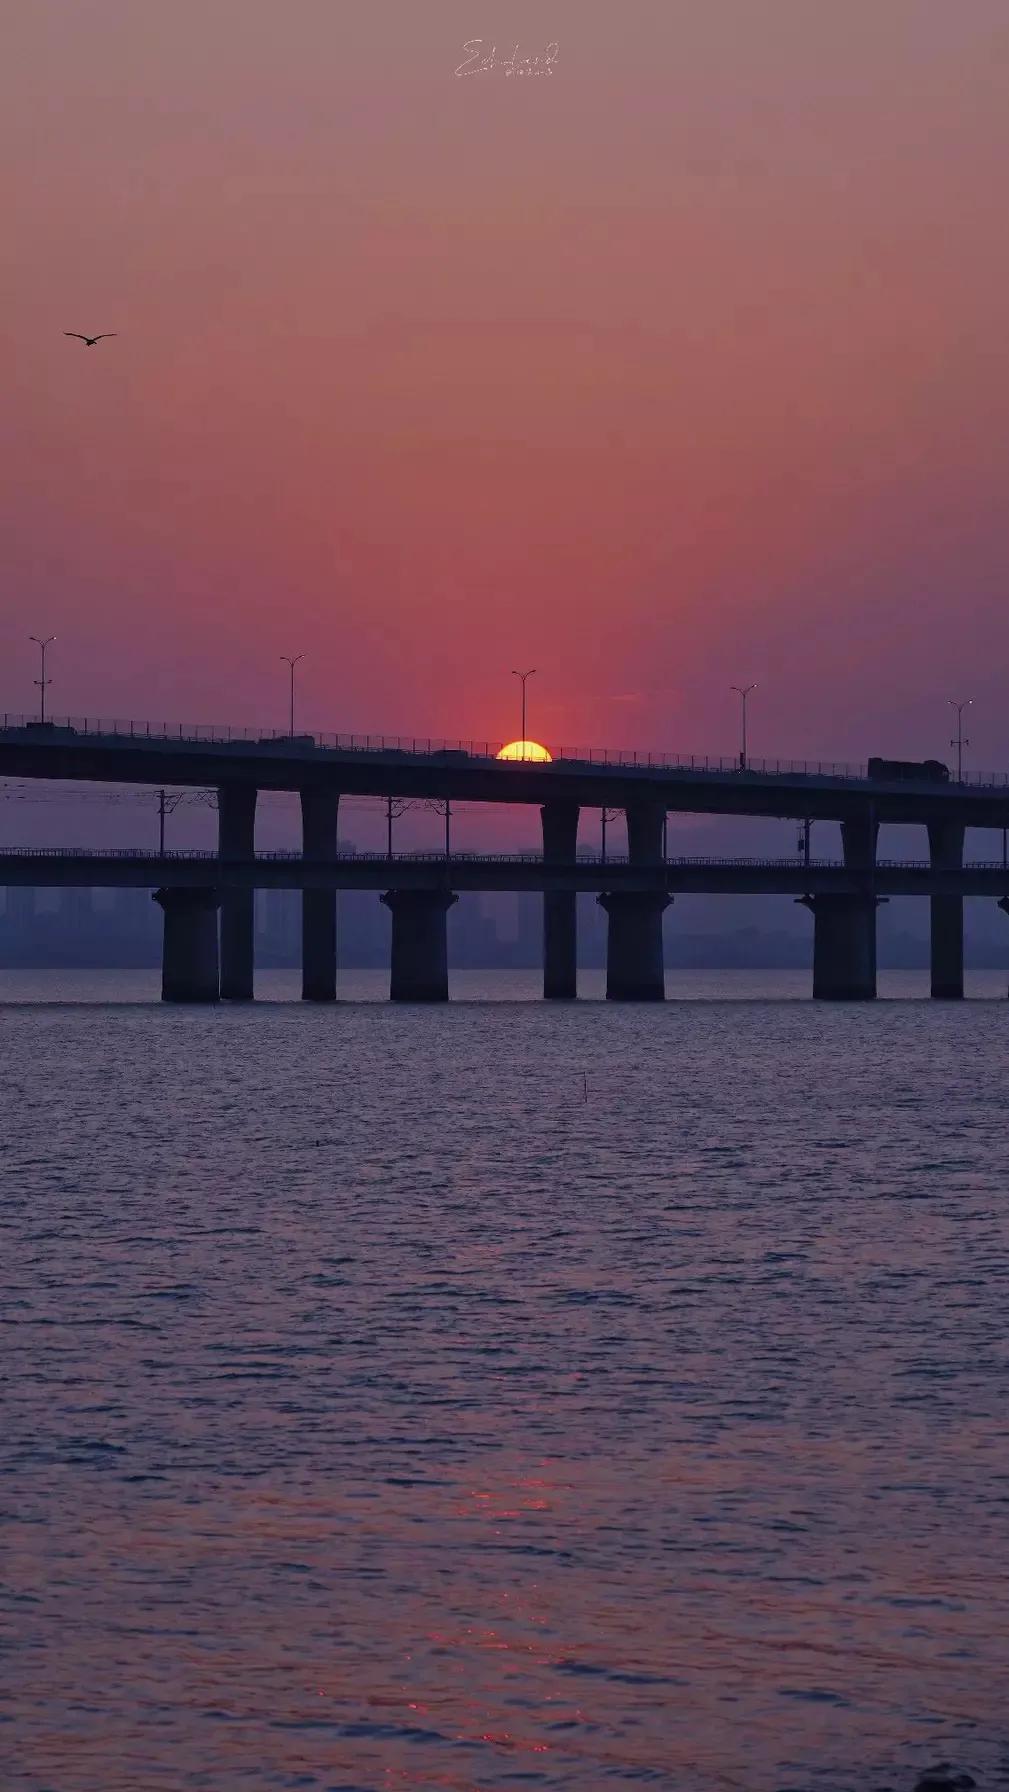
(89, 341)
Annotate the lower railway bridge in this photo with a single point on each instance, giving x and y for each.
(208, 937)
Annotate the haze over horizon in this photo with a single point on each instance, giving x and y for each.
(681, 367)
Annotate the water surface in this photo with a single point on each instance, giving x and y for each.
(501, 1395)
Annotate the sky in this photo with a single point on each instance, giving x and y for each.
(679, 367)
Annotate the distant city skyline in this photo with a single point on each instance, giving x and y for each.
(122, 928)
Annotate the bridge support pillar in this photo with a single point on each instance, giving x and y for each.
(635, 971)
(945, 840)
(858, 841)
(319, 812)
(645, 822)
(236, 811)
(560, 912)
(419, 944)
(844, 946)
(190, 967)
(1003, 904)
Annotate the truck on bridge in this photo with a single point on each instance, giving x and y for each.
(910, 771)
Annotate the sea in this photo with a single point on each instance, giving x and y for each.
(503, 1395)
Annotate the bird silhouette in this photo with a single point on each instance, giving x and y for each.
(89, 341)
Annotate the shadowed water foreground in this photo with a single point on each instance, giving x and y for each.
(504, 1397)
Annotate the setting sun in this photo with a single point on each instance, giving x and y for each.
(526, 749)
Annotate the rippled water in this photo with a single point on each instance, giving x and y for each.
(503, 1396)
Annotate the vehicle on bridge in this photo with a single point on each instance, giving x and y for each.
(911, 771)
(50, 730)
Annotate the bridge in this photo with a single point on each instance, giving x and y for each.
(207, 899)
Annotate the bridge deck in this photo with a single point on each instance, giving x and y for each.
(117, 869)
(371, 765)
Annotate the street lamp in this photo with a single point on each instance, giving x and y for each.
(43, 681)
(292, 662)
(523, 676)
(743, 691)
(958, 740)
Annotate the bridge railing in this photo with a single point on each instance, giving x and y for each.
(206, 855)
(103, 730)
(100, 728)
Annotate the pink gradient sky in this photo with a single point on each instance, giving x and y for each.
(684, 366)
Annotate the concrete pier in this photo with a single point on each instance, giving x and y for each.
(1003, 904)
(560, 915)
(419, 944)
(645, 821)
(945, 843)
(635, 965)
(844, 947)
(190, 966)
(236, 813)
(858, 842)
(635, 970)
(319, 814)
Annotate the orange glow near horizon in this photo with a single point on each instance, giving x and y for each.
(526, 749)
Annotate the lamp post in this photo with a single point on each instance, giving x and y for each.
(43, 681)
(743, 691)
(292, 661)
(524, 676)
(958, 740)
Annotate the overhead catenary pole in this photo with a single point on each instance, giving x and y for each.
(958, 740)
(43, 681)
(167, 805)
(524, 676)
(743, 691)
(605, 815)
